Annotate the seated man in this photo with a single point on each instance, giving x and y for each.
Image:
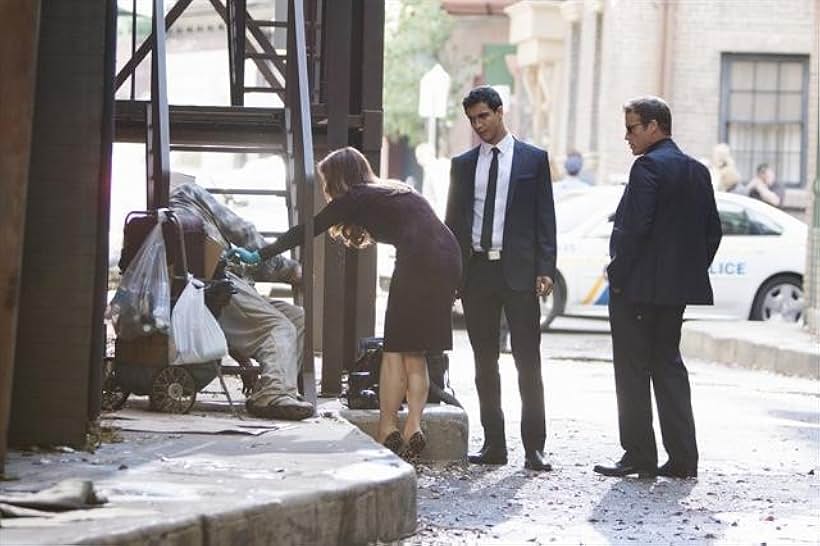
(270, 332)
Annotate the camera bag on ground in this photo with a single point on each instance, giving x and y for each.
(363, 377)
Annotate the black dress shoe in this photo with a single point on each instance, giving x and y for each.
(489, 455)
(622, 469)
(535, 460)
(673, 470)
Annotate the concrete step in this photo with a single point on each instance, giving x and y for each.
(446, 427)
(785, 348)
(191, 480)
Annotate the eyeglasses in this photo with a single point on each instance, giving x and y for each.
(630, 127)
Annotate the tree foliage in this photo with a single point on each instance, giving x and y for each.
(413, 45)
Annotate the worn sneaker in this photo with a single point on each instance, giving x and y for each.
(284, 407)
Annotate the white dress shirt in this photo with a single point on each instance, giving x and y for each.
(482, 173)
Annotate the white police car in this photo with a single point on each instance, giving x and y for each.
(757, 273)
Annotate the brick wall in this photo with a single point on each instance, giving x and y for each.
(700, 32)
(470, 34)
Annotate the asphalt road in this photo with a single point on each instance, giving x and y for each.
(759, 441)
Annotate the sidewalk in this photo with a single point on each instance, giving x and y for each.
(189, 480)
(773, 346)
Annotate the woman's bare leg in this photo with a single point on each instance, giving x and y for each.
(392, 386)
(418, 383)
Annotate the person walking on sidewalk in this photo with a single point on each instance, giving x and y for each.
(362, 209)
(500, 209)
(666, 233)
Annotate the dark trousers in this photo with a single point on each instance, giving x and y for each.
(645, 346)
(485, 295)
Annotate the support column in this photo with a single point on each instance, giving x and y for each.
(811, 284)
(19, 30)
(59, 336)
(537, 28)
(337, 290)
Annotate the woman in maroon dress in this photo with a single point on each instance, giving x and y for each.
(362, 209)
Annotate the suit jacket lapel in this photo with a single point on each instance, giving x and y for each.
(517, 157)
(472, 161)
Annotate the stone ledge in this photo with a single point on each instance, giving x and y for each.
(446, 428)
(787, 349)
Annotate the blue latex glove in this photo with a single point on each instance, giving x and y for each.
(245, 255)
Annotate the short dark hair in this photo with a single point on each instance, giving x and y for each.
(760, 169)
(649, 108)
(485, 94)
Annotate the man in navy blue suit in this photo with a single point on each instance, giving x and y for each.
(501, 211)
(666, 233)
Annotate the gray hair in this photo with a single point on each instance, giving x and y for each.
(649, 108)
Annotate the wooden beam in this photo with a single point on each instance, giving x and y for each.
(19, 36)
(338, 346)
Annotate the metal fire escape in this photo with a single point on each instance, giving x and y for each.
(329, 80)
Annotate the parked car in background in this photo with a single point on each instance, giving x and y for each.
(757, 273)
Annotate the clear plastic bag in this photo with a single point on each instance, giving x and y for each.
(195, 334)
(142, 303)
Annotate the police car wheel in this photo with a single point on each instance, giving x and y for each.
(779, 298)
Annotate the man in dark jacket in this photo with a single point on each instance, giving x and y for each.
(666, 233)
(501, 211)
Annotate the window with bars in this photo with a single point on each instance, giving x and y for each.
(764, 113)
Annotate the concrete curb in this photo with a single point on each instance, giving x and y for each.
(446, 427)
(782, 348)
(321, 481)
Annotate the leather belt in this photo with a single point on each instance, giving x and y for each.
(490, 256)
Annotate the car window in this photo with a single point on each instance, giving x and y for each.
(738, 220)
(571, 212)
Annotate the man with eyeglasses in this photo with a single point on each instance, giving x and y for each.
(665, 235)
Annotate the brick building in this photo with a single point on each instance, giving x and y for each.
(745, 73)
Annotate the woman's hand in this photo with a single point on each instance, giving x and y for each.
(245, 255)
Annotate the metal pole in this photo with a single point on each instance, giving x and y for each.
(159, 175)
(133, 45)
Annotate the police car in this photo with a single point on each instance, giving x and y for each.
(757, 273)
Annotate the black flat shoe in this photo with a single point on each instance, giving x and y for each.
(535, 460)
(622, 469)
(672, 470)
(489, 455)
(415, 445)
(393, 442)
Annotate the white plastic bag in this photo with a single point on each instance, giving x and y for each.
(195, 334)
(142, 304)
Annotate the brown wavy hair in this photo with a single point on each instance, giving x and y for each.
(340, 170)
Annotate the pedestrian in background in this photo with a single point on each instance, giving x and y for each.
(765, 187)
(362, 209)
(724, 173)
(665, 235)
(572, 180)
(501, 211)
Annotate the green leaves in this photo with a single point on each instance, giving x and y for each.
(415, 34)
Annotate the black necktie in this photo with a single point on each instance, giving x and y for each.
(489, 204)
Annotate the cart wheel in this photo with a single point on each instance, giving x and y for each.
(113, 395)
(173, 390)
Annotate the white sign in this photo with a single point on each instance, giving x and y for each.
(433, 91)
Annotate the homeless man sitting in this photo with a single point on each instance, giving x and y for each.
(269, 331)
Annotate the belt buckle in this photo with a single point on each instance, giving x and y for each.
(493, 255)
